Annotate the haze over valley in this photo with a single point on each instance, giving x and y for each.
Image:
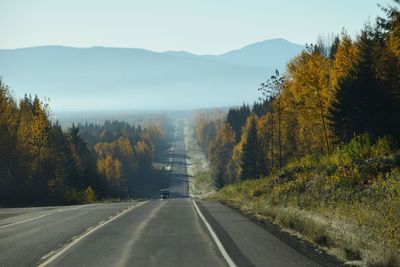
(101, 78)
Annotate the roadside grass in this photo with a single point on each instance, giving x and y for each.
(201, 184)
(347, 202)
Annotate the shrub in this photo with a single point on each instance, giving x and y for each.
(89, 196)
(72, 195)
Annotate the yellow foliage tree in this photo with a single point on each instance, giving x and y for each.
(143, 153)
(308, 80)
(344, 60)
(220, 152)
(233, 168)
(111, 169)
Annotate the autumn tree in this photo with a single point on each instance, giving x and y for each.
(206, 127)
(9, 169)
(329, 93)
(308, 80)
(154, 135)
(143, 154)
(42, 163)
(111, 169)
(220, 153)
(343, 60)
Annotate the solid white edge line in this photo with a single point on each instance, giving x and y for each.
(75, 241)
(43, 215)
(221, 248)
(28, 220)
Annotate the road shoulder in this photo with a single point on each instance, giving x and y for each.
(251, 243)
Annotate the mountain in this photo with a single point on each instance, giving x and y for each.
(272, 54)
(130, 78)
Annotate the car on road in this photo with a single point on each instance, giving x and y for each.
(164, 193)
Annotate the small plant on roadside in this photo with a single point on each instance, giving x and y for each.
(89, 196)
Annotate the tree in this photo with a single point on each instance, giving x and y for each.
(344, 59)
(154, 135)
(361, 103)
(389, 57)
(271, 93)
(220, 153)
(40, 163)
(84, 162)
(248, 159)
(233, 168)
(206, 130)
(33, 147)
(111, 169)
(60, 165)
(308, 80)
(9, 169)
(143, 154)
(237, 118)
(264, 144)
(391, 27)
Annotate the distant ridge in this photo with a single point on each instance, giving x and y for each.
(133, 78)
(270, 53)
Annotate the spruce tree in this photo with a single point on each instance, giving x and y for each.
(361, 104)
(248, 162)
(237, 118)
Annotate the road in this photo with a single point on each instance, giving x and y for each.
(173, 232)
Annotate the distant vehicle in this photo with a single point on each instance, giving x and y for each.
(164, 193)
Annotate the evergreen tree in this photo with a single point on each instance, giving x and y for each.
(361, 104)
(60, 167)
(237, 118)
(248, 160)
(84, 162)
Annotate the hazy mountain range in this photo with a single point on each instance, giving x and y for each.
(101, 78)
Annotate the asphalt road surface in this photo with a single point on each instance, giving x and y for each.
(172, 232)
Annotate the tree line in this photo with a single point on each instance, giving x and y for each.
(124, 152)
(330, 93)
(40, 163)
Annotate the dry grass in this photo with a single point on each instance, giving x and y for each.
(201, 184)
(347, 203)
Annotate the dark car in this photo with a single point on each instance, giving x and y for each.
(164, 193)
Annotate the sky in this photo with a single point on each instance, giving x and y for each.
(197, 26)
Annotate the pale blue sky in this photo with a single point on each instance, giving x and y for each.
(199, 26)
